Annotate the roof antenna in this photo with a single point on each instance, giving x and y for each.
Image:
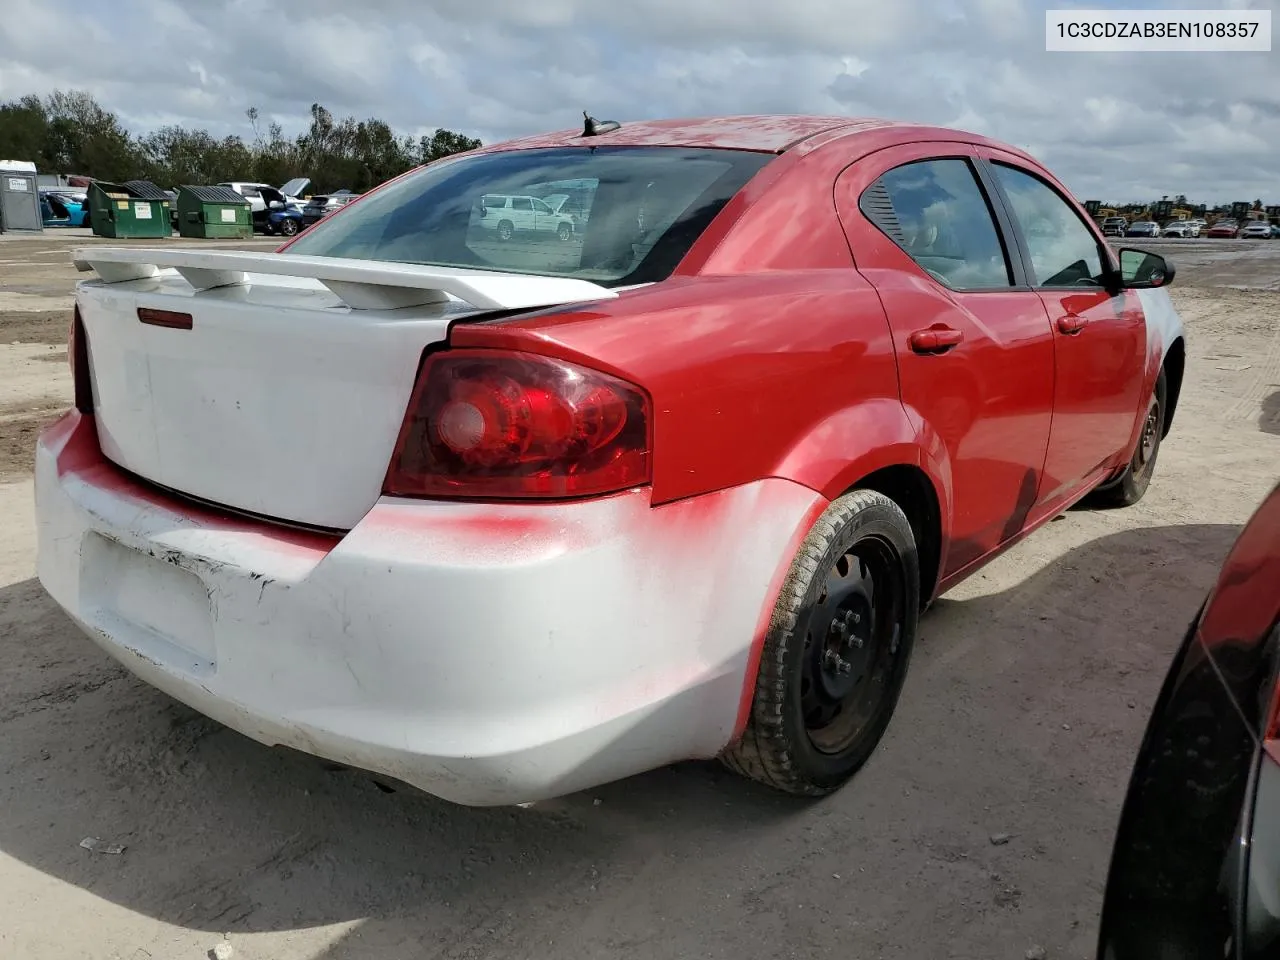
(592, 127)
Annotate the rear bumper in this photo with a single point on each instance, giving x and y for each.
(486, 654)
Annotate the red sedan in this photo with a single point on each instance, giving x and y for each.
(507, 513)
(1224, 228)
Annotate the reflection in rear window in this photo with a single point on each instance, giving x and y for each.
(613, 215)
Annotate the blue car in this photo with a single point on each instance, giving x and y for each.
(283, 218)
(64, 208)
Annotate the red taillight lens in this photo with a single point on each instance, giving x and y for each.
(497, 424)
(78, 359)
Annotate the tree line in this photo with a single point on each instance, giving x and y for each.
(71, 133)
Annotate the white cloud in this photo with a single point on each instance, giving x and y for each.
(1111, 125)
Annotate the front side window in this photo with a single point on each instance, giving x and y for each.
(936, 212)
(1064, 252)
(638, 210)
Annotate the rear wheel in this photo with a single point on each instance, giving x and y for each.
(289, 226)
(564, 231)
(1128, 488)
(837, 650)
(506, 230)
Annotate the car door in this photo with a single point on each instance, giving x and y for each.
(1099, 330)
(974, 347)
(522, 214)
(543, 219)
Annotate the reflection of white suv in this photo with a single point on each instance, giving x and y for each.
(509, 214)
(1182, 228)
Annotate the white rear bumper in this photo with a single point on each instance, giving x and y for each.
(487, 654)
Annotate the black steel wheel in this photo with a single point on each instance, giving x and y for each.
(1129, 487)
(837, 651)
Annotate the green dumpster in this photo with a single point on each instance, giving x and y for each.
(127, 210)
(213, 213)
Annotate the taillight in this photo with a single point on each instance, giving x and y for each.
(497, 424)
(78, 360)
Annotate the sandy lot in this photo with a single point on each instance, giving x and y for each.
(1024, 708)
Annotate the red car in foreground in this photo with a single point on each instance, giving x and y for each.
(1196, 867)
(510, 513)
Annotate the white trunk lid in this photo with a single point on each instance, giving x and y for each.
(285, 395)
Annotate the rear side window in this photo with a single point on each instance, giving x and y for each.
(936, 211)
(1064, 252)
(635, 212)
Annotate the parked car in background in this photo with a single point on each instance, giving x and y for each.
(64, 207)
(508, 215)
(321, 206)
(1143, 228)
(1182, 228)
(1114, 226)
(1256, 229)
(253, 192)
(282, 219)
(510, 520)
(1224, 228)
(1275, 231)
(1195, 871)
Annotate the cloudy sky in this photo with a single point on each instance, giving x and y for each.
(1114, 126)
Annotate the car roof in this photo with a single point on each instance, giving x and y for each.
(771, 133)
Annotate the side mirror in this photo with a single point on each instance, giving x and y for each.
(1141, 270)
(276, 205)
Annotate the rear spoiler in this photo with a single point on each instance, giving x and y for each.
(360, 284)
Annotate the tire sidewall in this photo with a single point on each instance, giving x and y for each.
(1135, 481)
(886, 521)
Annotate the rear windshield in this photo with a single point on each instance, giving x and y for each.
(617, 215)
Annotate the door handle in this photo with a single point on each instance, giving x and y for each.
(1071, 324)
(936, 339)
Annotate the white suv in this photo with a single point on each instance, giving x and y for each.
(509, 214)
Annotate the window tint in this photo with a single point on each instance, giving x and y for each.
(1063, 250)
(520, 203)
(937, 213)
(636, 211)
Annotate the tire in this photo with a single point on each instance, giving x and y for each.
(1129, 487)
(506, 230)
(828, 606)
(564, 231)
(289, 227)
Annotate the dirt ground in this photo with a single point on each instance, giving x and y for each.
(1024, 707)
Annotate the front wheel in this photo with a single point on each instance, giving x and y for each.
(836, 654)
(1128, 488)
(506, 230)
(564, 231)
(289, 227)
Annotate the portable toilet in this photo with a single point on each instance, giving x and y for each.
(19, 198)
(213, 213)
(137, 209)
